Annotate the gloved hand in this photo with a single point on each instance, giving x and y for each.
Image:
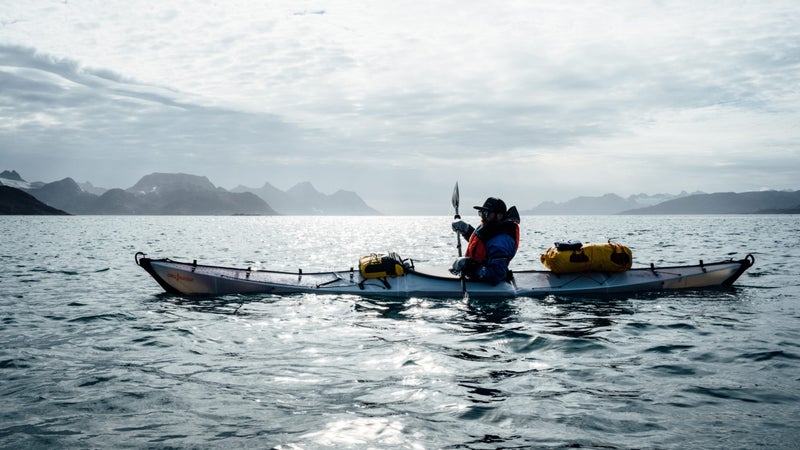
(463, 228)
(459, 265)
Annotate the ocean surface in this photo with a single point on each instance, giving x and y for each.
(93, 353)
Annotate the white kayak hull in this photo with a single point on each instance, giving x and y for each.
(189, 279)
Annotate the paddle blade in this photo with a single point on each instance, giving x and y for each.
(455, 197)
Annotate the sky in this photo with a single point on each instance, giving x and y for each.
(530, 101)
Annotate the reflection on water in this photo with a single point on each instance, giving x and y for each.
(583, 318)
(356, 432)
(225, 305)
(483, 316)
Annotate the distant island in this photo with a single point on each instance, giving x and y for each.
(16, 202)
(179, 194)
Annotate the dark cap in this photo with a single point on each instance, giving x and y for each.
(492, 204)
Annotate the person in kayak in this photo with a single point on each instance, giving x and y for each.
(491, 246)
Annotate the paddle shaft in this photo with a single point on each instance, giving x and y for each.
(458, 236)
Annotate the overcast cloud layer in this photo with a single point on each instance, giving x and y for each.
(531, 101)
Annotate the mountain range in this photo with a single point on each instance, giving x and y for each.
(605, 204)
(760, 202)
(303, 199)
(182, 194)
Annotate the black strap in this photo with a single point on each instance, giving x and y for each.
(382, 280)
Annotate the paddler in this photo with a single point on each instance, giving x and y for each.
(491, 246)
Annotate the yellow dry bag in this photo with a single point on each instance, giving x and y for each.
(378, 265)
(610, 257)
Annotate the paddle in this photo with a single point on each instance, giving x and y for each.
(455, 201)
(457, 216)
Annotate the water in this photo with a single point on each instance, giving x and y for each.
(93, 354)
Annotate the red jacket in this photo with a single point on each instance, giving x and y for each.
(490, 249)
(476, 248)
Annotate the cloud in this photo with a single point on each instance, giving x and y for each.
(56, 108)
(508, 98)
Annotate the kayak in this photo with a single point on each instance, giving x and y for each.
(193, 279)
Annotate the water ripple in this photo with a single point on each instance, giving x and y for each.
(93, 354)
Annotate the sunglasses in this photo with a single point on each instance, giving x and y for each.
(483, 213)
